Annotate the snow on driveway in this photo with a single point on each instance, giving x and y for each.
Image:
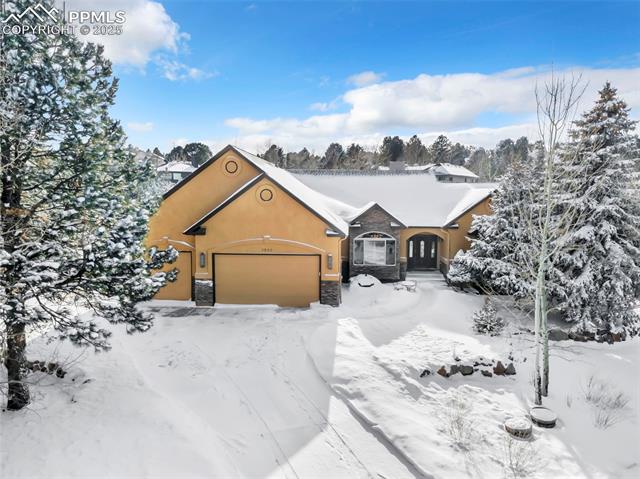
(228, 394)
(324, 392)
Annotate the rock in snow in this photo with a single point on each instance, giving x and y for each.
(558, 335)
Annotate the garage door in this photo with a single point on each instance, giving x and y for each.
(285, 280)
(181, 288)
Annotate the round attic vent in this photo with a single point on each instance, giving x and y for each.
(266, 194)
(231, 167)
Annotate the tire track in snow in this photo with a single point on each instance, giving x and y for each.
(326, 421)
(248, 402)
(406, 461)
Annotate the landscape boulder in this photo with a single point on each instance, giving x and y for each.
(511, 370)
(466, 370)
(558, 335)
(443, 372)
(499, 369)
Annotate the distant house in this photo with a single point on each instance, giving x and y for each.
(442, 171)
(142, 155)
(453, 173)
(252, 233)
(175, 171)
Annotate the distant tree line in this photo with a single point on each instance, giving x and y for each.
(489, 164)
(193, 153)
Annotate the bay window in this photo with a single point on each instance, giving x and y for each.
(377, 249)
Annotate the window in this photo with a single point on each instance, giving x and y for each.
(410, 249)
(433, 249)
(422, 249)
(377, 249)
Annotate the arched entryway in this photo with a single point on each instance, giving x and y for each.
(422, 252)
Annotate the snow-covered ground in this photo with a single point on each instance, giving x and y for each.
(324, 392)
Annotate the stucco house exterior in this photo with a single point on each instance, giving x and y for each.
(251, 233)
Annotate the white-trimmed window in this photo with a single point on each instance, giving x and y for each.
(374, 248)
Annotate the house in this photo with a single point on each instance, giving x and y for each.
(141, 155)
(174, 171)
(452, 173)
(442, 171)
(427, 219)
(251, 233)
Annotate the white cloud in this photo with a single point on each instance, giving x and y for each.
(365, 78)
(149, 34)
(174, 70)
(148, 28)
(325, 106)
(452, 104)
(140, 127)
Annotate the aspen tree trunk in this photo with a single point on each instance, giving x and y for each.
(545, 348)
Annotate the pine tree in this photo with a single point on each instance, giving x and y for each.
(275, 155)
(333, 158)
(440, 150)
(601, 267)
(487, 321)
(74, 206)
(392, 149)
(501, 241)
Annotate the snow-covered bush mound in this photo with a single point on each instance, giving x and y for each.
(366, 296)
(365, 281)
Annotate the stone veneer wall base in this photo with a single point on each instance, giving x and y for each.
(203, 292)
(330, 293)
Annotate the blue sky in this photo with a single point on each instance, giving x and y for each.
(287, 72)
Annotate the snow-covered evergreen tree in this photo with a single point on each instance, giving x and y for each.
(500, 241)
(487, 321)
(74, 206)
(601, 263)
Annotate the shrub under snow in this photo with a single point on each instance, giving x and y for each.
(487, 321)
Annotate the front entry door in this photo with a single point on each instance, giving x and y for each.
(422, 252)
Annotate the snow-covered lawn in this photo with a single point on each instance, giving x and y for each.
(324, 392)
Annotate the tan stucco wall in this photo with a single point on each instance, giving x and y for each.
(193, 200)
(248, 225)
(453, 239)
(458, 237)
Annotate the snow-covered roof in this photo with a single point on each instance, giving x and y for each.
(416, 200)
(176, 167)
(449, 169)
(328, 208)
(417, 167)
